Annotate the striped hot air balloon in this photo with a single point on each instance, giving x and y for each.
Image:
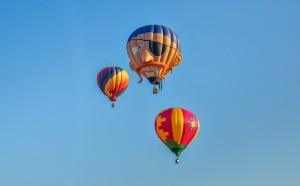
(154, 51)
(176, 128)
(113, 81)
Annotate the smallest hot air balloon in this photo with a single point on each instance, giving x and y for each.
(112, 81)
(176, 128)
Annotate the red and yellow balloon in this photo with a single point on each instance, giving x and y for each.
(176, 128)
(113, 81)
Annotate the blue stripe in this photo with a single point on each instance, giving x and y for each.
(157, 29)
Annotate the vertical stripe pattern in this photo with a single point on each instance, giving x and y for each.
(157, 29)
(113, 81)
(176, 128)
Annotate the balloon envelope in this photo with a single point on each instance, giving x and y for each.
(154, 51)
(176, 128)
(113, 81)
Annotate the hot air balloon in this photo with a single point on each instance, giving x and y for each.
(113, 81)
(154, 51)
(176, 128)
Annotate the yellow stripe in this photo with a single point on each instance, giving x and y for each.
(113, 83)
(177, 124)
(125, 75)
(123, 80)
(108, 86)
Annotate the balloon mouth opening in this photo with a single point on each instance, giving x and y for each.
(152, 63)
(113, 98)
(155, 80)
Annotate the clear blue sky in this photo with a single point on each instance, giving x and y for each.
(239, 75)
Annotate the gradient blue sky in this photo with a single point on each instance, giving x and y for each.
(239, 75)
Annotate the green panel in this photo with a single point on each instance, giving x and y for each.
(175, 147)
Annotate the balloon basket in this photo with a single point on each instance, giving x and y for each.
(155, 90)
